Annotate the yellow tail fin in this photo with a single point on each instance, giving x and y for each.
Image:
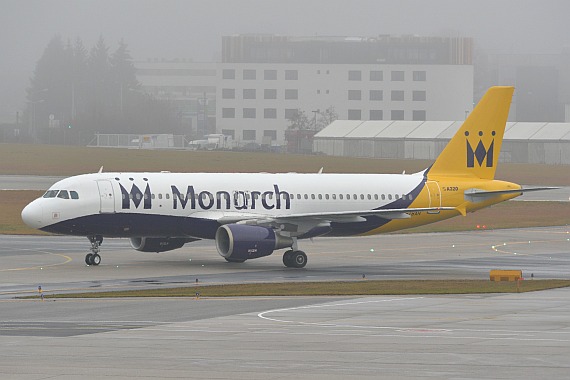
(474, 149)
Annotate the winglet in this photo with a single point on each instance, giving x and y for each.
(100, 170)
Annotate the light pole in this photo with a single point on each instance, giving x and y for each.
(315, 118)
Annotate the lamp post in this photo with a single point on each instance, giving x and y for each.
(315, 118)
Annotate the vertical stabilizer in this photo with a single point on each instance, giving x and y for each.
(474, 149)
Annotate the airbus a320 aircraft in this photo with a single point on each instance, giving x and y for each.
(251, 215)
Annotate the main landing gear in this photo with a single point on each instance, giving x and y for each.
(93, 258)
(294, 259)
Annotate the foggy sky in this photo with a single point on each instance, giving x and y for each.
(193, 29)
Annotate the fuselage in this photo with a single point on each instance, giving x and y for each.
(193, 204)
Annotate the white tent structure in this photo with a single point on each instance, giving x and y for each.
(544, 143)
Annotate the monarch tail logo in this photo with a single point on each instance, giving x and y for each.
(480, 153)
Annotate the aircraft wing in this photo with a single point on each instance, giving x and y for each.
(304, 222)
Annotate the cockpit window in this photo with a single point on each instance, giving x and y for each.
(63, 194)
(51, 193)
(74, 194)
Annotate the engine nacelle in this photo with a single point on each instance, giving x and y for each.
(146, 244)
(240, 242)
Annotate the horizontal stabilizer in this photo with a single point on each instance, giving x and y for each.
(478, 195)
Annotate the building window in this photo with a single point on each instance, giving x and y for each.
(270, 93)
(376, 95)
(249, 93)
(376, 76)
(229, 74)
(270, 113)
(419, 76)
(270, 74)
(419, 96)
(249, 113)
(397, 95)
(271, 133)
(229, 132)
(290, 113)
(249, 74)
(291, 94)
(228, 93)
(397, 76)
(354, 95)
(354, 75)
(354, 114)
(397, 115)
(249, 134)
(376, 115)
(228, 113)
(291, 75)
(419, 115)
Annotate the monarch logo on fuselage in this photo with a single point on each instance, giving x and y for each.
(136, 196)
(481, 154)
(205, 200)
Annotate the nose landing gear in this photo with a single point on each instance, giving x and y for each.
(93, 258)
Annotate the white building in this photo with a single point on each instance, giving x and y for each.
(264, 79)
(255, 100)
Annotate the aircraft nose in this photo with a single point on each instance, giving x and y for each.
(32, 215)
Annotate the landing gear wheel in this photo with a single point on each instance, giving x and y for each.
(95, 259)
(88, 258)
(299, 259)
(295, 259)
(287, 261)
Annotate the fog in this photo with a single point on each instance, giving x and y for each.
(193, 29)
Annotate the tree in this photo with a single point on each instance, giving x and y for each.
(326, 118)
(299, 120)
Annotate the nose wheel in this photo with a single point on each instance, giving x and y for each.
(94, 258)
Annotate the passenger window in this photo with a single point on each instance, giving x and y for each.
(334, 196)
(410, 197)
(312, 196)
(404, 196)
(74, 195)
(375, 197)
(383, 196)
(159, 195)
(320, 196)
(355, 197)
(397, 196)
(51, 193)
(63, 194)
(298, 196)
(326, 196)
(390, 196)
(340, 196)
(306, 196)
(167, 196)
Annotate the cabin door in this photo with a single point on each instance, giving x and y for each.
(106, 197)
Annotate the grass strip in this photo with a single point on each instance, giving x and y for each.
(336, 288)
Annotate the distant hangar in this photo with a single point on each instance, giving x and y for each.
(536, 143)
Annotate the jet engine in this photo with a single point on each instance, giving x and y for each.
(146, 244)
(239, 242)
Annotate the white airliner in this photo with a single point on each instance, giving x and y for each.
(251, 215)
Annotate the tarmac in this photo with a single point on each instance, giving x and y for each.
(503, 336)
